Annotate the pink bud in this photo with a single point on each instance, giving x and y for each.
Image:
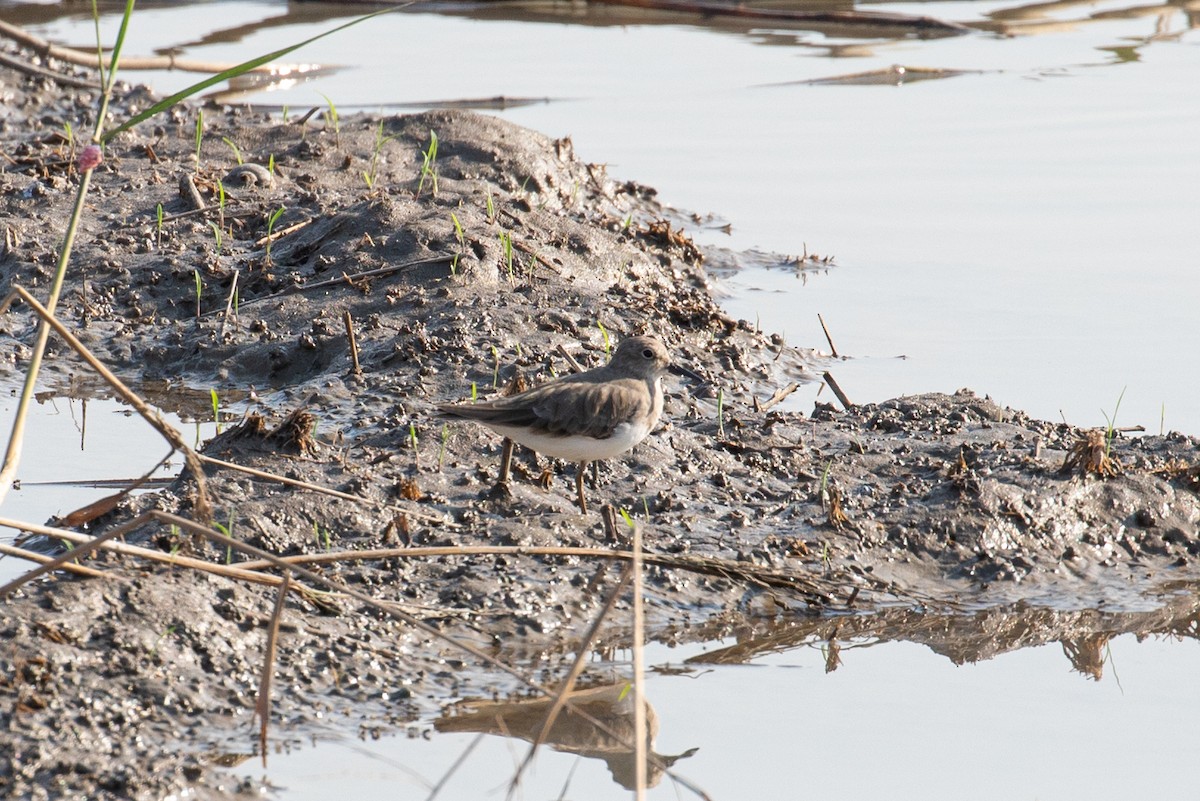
(90, 158)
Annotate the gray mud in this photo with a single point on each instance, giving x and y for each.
(136, 685)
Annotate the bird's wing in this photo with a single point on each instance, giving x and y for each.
(593, 412)
(561, 408)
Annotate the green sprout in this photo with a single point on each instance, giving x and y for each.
(428, 166)
(199, 290)
(604, 333)
(274, 218)
(237, 154)
(412, 435)
(462, 243)
(220, 204)
(158, 223)
(331, 119)
(380, 140)
(286, 109)
(491, 207)
(626, 517)
(216, 229)
(496, 369)
(1111, 432)
(507, 245)
(442, 450)
(199, 133)
(474, 392)
(216, 407)
(271, 164)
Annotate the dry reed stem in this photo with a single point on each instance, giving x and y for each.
(295, 482)
(342, 280)
(176, 560)
(734, 570)
(837, 390)
(828, 338)
(262, 706)
(82, 58)
(149, 414)
(41, 558)
(639, 668)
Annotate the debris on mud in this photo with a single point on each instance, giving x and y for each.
(380, 290)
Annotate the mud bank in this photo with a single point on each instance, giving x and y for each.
(505, 255)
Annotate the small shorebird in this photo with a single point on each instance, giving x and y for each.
(586, 417)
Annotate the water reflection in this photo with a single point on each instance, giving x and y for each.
(967, 639)
(574, 730)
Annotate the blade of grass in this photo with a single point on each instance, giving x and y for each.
(232, 72)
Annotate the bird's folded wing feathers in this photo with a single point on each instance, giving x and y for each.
(599, 409)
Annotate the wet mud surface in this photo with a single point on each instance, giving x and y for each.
(945, 519)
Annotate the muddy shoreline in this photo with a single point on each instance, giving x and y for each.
(951, 506)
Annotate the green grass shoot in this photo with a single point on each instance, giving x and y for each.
(646, 507)
(199, 133)
(372, 174)
(237, 153)
(332, 120)
(271, 164)
(284, 112)
(491, 206)
(412, 435)
(274, 218)
(442, 449)
(607, 341)
(507, 246)
(216, 229)
(216, 407)
(625, 516)
(429, 166)
(458, 231)
(224, 75)
(1111, 430)
(474, 392)
(158, 222)
(199, 290)
(220, 205)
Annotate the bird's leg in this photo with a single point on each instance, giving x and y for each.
(579, 474)
(595, 474)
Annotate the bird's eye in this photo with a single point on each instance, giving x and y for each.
(648, 354)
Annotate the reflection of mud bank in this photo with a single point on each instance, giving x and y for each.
(966, 638)
(942, 501)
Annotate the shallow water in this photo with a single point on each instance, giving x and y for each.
(1027, 230)
(896, 721)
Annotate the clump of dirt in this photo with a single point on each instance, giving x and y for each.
(506, 252)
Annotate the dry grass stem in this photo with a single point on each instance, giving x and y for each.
(639, 668)
(262, 706)
(41, 558)
(837, 390)
(828, 337)
(202, 507)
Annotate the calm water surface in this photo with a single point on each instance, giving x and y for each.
(1027, 229)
